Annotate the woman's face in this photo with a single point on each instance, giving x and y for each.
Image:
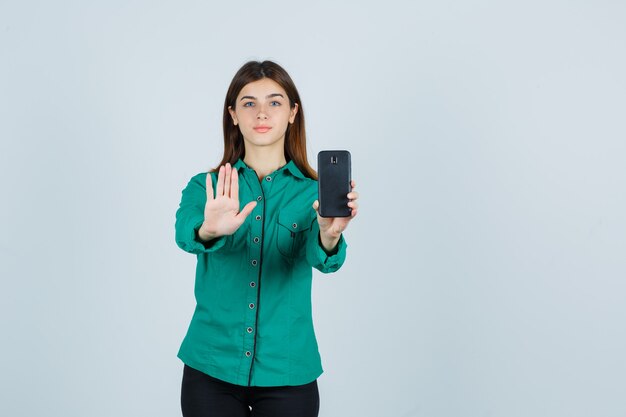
(262, 113)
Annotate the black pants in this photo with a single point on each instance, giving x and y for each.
(205, 396)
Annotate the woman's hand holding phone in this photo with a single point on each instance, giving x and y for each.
(332, 227)
(221, 212)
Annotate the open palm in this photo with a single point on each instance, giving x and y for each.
(221, 212)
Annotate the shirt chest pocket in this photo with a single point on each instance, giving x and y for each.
(291, 233)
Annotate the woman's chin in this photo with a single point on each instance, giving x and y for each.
(264, 141)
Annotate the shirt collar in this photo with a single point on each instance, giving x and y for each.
(240, 165)
(289, 166)
(293, 168)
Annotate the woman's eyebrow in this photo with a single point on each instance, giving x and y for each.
(268, 96)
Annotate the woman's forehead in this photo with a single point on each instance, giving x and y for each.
(262, 88)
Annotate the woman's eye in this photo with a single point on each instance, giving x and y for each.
(248, 104)
(275, 103)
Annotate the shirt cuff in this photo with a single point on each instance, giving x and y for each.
(317, 256)
(189, 241)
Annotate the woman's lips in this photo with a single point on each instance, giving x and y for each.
(262, 129)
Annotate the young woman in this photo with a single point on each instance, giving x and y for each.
(250, 349)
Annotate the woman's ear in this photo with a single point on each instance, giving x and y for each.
(233, 115)
(292, 114)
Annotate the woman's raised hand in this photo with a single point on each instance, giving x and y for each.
(221, 212)
(332, 227)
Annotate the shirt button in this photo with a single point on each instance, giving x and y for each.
(253, 284)
(295, 225)
(254, 262)
(257, 240)
(259, 198)
(268, 178)
(258, 217)
(248, 354)
(249, 329)
(251, 306)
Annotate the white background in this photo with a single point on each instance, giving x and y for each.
(486, 269)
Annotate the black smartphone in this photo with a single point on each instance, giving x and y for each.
(334, 177)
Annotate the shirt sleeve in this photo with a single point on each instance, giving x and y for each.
(190, 216)
(317, 256)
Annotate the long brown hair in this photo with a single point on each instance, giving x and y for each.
(295, 136)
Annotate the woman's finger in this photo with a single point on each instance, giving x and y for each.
(353, 195)
(246, 211)
(209, 187)
(234, 185)
(316, 206)
(227, 174)
(353, 184)
(220, 183)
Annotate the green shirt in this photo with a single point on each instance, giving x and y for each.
(252, 324)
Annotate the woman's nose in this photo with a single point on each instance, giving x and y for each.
(262, 114)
